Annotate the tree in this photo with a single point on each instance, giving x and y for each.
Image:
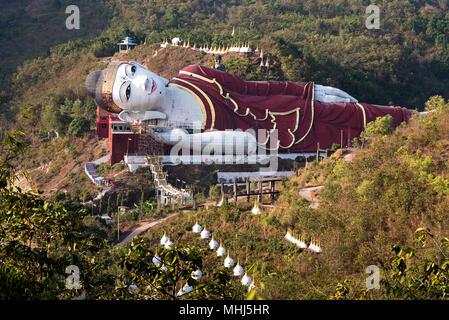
(412, 277)
(100, 207)
(214, 192)
(108, 208)
(53, 118)
(142, 195)
(380, 127)
(39, 239)
(78, 126)
(174, 269)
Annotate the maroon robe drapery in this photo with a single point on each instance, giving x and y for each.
(228, 102)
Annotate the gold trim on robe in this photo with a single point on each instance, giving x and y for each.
(248, 110)
(313, 115)
(364, 114)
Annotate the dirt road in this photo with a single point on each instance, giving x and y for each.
(144, 227)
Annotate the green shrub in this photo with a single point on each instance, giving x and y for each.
(78, 126)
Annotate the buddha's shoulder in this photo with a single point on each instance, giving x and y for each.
(197, 69)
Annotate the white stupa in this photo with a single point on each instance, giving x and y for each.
(267, 64)
(157, 260)
(205, 234)
(165, 44)
(221, 251)
(168, 244)
(314, 247)
(197, 274)
(228, 262)
(164, 239)
(256, 208)
(288, 236)
(213, 244)
(246, 280)
(197, 228)
(252, 286)
(238, 270)
(222, 201)
(300, 243)
(187, 288)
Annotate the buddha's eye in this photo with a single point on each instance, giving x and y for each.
(130, 70)
(128, 92)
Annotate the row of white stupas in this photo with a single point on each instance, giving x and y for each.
(241, 48)
(238, 270)
(197, 274)
(314, 246)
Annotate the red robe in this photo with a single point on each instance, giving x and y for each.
(228, 102)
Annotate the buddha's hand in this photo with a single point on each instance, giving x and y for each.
(169, 136)
(232, 142)
(132, 116)
(332, 95)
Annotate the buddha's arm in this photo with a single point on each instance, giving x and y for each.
(224, 142)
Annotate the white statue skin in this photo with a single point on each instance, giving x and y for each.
(143, 95)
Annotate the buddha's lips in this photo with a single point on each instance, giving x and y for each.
(154, 86)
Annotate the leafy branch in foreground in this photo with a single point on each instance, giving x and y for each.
(143, 279)
(414, 278)
(38, 239)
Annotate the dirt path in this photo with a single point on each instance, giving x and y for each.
(144, 227)
(308, 194)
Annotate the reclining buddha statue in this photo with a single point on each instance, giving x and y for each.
(226, 108)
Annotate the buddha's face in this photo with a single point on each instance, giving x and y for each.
(136, 88)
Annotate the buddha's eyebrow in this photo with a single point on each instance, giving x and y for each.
(126, 69)
(122, 74)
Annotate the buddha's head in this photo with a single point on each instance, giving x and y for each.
(126, 86)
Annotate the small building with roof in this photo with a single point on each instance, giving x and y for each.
(126, 45)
